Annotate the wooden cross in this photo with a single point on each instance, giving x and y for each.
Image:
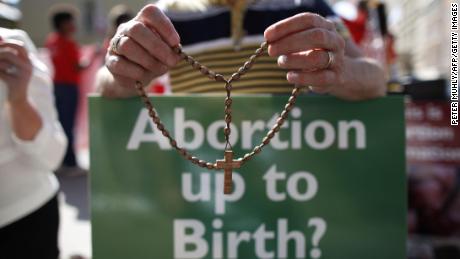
(228, 164)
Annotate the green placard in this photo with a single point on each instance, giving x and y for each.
(330, 185)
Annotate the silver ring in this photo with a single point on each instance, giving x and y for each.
(115, 43)
(330, 60)
(12, 70)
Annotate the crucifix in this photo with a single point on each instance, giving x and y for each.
(228, 164)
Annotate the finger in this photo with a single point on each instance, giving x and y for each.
(296, 23)
(152, 42)
(11, 56)
(129, 82)
(121, 66)
(320, 90)
(131, 50)
(307, 40)
(7, 77)
(4, 65)
(124, 81)
(321, 78)
(307, 60)
(18, 46)
(154, 18)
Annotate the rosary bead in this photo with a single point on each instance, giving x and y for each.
(280, 121)
(266, 140)
(183, 56)
(196, 65)
(212, 74)
(204, 70)
(288, 107)
(210, 165)
(247, 156)
(247, 65)
(235, 76)
(202, 163)
(264, 45)
(228, 101)
(220, 78)
(178, 49)
(227, 110)
(284, 114)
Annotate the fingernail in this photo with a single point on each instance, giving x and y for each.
(292, 76)
(282, 59)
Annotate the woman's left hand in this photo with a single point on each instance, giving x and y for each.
(311, 49)
(15, 69)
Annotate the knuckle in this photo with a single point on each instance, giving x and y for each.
(151, 64)
(125, 46)
(138, 74)
(330, 24)
(149, 10)
(341, 42)
(273, 49)
(340, 79)
(316, 57)
(123, 28)
(307, 18)
(323, 79)
(318, 35)
(136, 28)
(113, 64)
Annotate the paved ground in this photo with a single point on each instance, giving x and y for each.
(75, 228)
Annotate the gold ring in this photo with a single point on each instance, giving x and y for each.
(330, 60)
(12, 70)
(115, 43)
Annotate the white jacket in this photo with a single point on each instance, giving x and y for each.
(27, 181)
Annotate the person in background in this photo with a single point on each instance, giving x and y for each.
(358, 26)
(117, 15)
(65, 56)
(32, 145)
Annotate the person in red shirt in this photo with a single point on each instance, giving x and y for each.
(64, 52)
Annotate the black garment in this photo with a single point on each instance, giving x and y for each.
(66, 104)
(34, 236)
(259, 16)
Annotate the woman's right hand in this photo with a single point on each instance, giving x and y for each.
(144, 50)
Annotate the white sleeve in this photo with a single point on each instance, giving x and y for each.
(48, 147)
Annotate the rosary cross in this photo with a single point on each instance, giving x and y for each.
(228, 163)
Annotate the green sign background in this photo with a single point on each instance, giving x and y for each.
(136, 194)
